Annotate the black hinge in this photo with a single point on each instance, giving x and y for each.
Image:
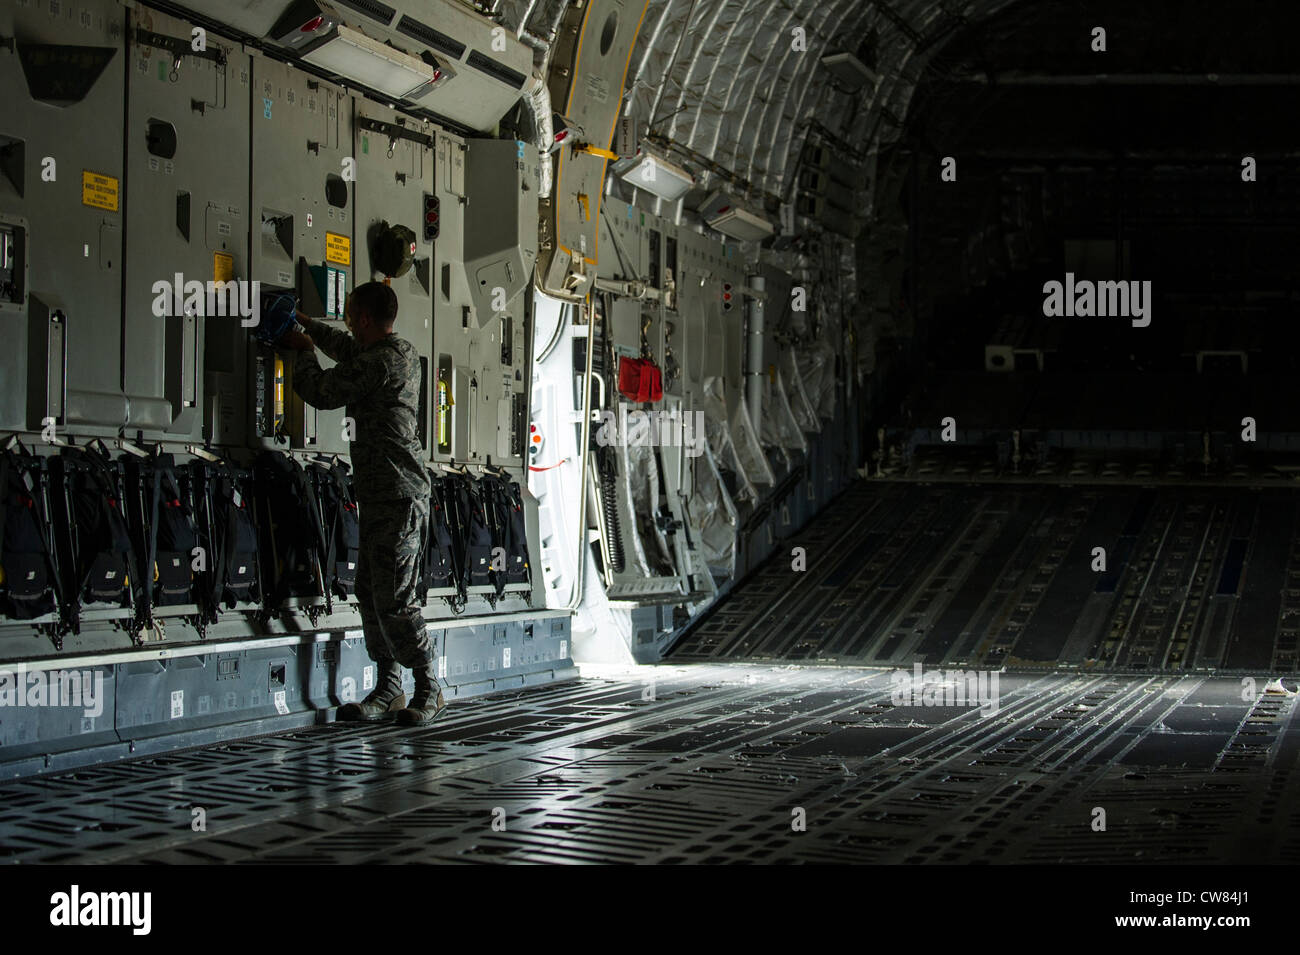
(179, 47)
(395, 131)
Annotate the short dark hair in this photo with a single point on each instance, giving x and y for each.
(376, 300)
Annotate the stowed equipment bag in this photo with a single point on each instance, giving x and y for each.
(171, 533)
(494, 540)
(476, 520)
(96, 551)
(505, 508)
(340, 516)
(29, 570)
(293, 535)
(443, 543)
(228, 530)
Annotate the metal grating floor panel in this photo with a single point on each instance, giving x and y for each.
(983, 575)
(708, 763)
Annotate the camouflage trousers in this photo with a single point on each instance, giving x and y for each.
(388, 570)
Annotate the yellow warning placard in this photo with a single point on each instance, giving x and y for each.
(338, 249)
(99, 192)
(223, 267)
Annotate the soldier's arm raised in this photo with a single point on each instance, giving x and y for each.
(336, 344)
(348, 381)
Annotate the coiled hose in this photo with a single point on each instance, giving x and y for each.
(609, 504)
(602, 364)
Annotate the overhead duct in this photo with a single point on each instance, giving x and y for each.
(537, 100)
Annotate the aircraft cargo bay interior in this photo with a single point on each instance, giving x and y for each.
(649, 431)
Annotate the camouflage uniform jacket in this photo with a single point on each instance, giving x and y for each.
(380, 387)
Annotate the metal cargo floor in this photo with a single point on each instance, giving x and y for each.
(708, 763)
(985, 575)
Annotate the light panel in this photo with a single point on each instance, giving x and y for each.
(657, 176)
(353, 54)
(741, 224)
(849, 70)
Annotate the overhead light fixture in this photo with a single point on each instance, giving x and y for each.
(735, 220)
(657, 176)
(352, 54)
(741, 224)
(849, 70)
(302, 25)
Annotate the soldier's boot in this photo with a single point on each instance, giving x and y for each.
(427, 701)
(384, 700)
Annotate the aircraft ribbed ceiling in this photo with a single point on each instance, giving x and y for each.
(721, 77)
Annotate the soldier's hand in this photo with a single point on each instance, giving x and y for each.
(296, 340)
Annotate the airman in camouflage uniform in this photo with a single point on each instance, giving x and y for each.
(377, 378)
